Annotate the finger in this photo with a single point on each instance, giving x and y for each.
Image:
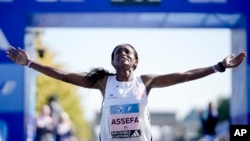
(11, 58)
(8, 48)
(7, 51)
(19, 54)
(11, 48)
(21, 50)
(243, 54)
(231, 58)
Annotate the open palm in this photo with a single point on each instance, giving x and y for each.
(231, 61)
(18, 56)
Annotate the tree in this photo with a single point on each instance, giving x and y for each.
(67, 94)
(223, 109)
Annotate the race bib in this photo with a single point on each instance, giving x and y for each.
(124, 121)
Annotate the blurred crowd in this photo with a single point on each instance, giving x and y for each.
(53, 123)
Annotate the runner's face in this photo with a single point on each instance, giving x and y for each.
(124, 57)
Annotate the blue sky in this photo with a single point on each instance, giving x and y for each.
(161, 50)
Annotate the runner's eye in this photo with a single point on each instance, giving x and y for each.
(118, 52)
(127, 52)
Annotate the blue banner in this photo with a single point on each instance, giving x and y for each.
(124, 6)
(11, 88)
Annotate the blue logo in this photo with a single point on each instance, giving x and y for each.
(124, 109)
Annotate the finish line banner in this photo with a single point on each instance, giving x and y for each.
(239, 132)
(47, 6)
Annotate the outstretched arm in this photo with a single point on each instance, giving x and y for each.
(157, 81)
(19, 56)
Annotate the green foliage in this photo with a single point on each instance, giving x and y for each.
(224, 109)
(67, 94)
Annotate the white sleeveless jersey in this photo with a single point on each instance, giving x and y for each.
(125, 115)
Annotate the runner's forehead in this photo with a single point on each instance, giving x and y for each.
(123, 47)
